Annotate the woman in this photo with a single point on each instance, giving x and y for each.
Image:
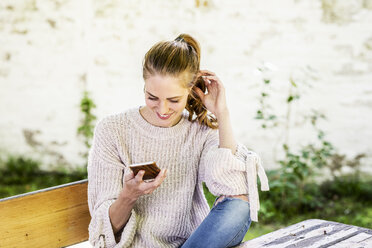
(190, 147)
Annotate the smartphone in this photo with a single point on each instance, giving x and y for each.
(150, 168)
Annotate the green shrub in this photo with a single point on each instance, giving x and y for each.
(21, 175)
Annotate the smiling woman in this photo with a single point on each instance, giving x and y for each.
(172, 211)
(174, 68)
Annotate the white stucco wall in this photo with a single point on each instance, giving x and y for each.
(46, 48)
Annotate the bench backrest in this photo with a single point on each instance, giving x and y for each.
(52, 217)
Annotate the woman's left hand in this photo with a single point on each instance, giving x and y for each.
(215, 99)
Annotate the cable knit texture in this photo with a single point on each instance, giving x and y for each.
(168, 216)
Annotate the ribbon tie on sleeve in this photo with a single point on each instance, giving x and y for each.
(253, 168)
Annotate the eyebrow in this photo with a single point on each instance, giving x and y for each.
(167, 98)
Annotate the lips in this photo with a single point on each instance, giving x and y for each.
(164, 118)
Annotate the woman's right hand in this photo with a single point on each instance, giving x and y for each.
(134, 186)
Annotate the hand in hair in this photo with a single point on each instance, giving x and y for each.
(215, 99)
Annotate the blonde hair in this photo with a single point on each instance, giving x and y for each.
(173, 58)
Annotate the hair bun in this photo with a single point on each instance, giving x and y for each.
(179, 38)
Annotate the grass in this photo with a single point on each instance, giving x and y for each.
(259, 229)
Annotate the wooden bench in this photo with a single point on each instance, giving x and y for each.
(59, 217)
(52, 217)
(315, 233)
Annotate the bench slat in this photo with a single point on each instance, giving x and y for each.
(53, 217)
(314, 233)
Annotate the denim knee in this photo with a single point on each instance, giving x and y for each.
(236, 218)
(225, 226)
(238, 209)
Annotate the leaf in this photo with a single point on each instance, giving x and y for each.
(272, 117)
(276, 183)
(291, 185)
(285, 147)
(292, 82)
(259, 115)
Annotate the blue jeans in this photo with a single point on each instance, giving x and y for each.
(225, 226)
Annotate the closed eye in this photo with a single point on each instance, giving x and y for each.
(154, 99)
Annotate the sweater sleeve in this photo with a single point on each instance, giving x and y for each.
(226, 173)
(105, 182)
(223, 172)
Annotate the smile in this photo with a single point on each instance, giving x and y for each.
(163, 117)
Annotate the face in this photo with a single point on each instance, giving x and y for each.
(166, 98)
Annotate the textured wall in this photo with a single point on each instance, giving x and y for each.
(51, 51)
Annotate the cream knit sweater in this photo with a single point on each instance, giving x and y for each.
(168, 216)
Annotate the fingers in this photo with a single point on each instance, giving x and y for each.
(210, 79)
(136, 184)
(149, 187)
(159, 179)
(161, 176)
(139, 176)
(206, 72)
(213, 82)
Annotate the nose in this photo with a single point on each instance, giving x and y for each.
(163, 108)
